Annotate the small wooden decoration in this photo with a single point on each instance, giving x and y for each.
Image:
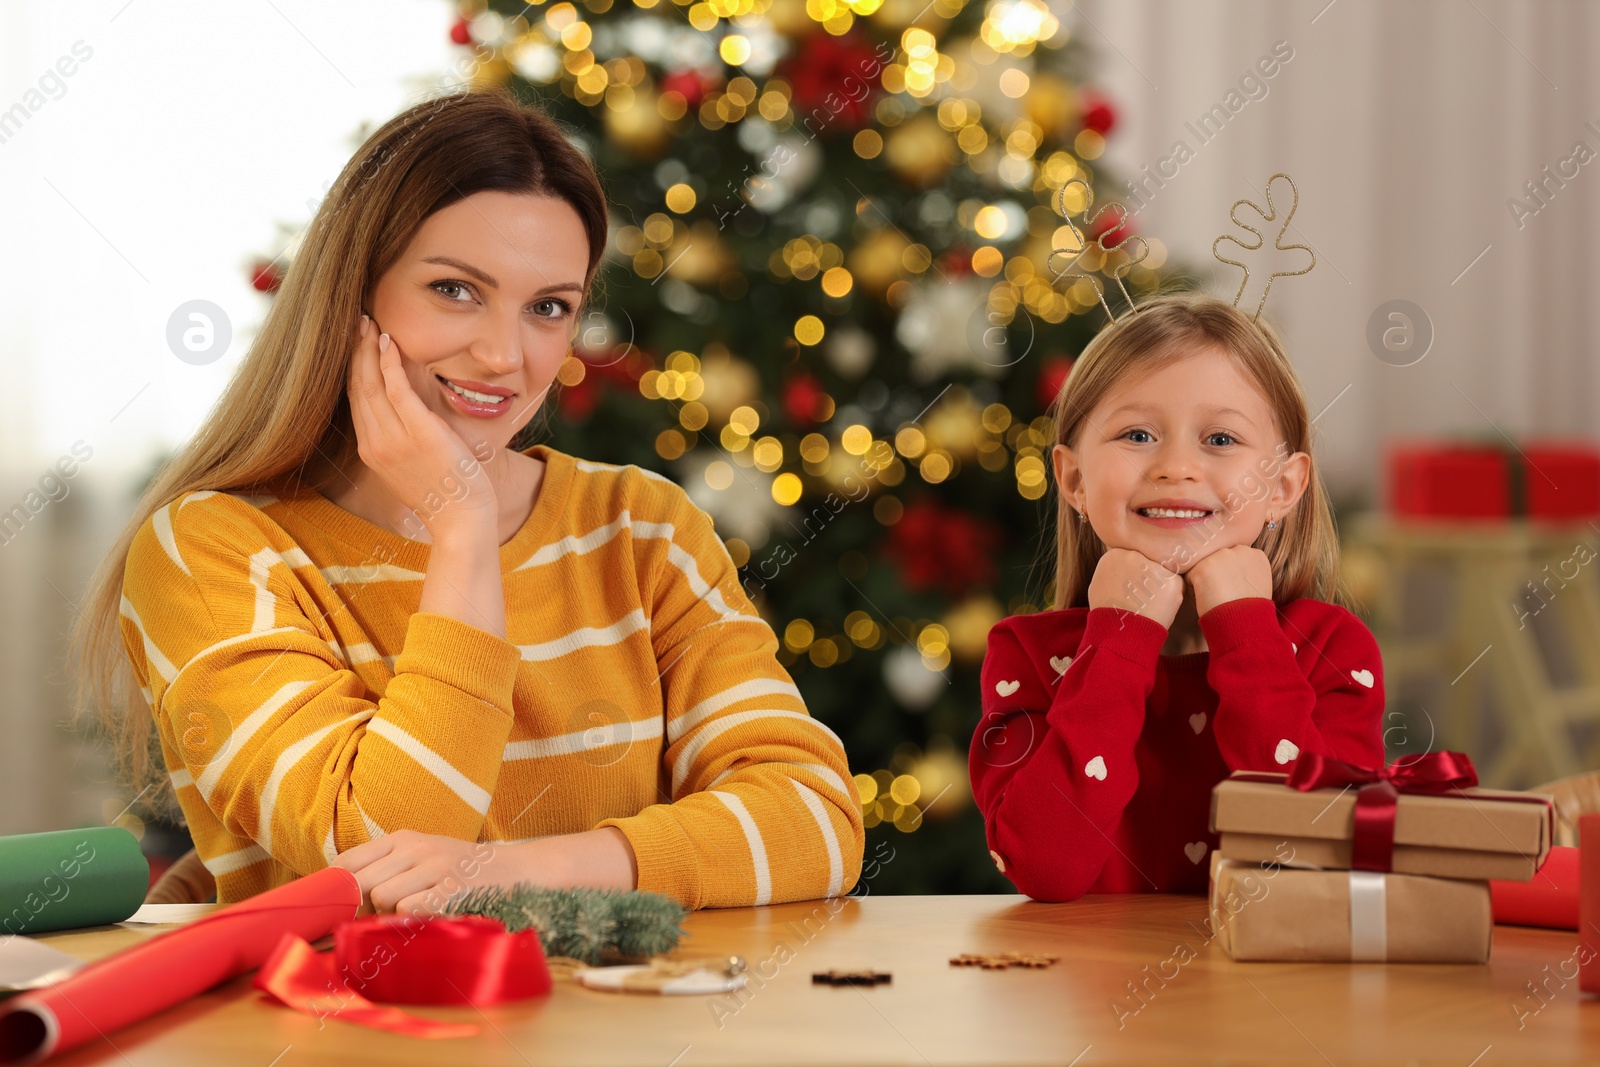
(1003, 961)
(837, 978)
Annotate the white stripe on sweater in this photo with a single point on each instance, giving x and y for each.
(590, 466)
(580, 544)
(826, 773)
(586, 637)
(711, 730)
(227, 641)
(755, 687)
(829, 838)
(244, 732)
(152, 654)
(229, 862)
(363, 573)
(587, 740)
(161, 523)
(470, 792)
(758, 848)
(285, 763)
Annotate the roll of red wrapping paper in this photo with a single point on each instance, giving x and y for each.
(1589, 902)
(172, 967)
(1550, 898)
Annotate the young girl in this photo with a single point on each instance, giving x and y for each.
(373, 629)
(1198, 625)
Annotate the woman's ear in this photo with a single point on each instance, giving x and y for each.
(1294, 475)
(1069, 476)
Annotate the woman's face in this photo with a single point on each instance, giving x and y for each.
(1195, 435)
(486, 296)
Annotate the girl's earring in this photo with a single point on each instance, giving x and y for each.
(1081, 517)
(1272, 524)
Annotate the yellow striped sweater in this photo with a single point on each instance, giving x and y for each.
(304, 704)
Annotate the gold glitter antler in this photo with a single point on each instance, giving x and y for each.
(1269, 215)
(1091, 223)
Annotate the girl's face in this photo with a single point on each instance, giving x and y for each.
(1194, 439)
(486, 296)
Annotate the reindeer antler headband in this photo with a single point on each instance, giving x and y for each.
(1118, 227)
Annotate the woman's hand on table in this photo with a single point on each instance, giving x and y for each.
(413, 872)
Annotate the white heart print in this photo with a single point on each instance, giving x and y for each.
(1194, 850)
(1197, 721)
(1059, 664)
(1364, 677)
(1005, 689)
(1096, 768)
(1286, 751)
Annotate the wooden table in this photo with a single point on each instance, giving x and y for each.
(1213, 1011)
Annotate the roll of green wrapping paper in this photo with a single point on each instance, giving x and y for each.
(70, 878)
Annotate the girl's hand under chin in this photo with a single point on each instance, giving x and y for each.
(1232, 573)
(1130, 581)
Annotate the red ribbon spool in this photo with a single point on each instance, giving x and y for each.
(407, 959)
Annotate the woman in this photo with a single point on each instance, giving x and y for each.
(372, 630)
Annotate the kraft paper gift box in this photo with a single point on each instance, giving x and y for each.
(1472, 833)
(1288, 914)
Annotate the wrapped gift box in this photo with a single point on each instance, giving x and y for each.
(1287, 914)
(1553, 480)
(1444, 480)
(1476, 833)
(1561, 480)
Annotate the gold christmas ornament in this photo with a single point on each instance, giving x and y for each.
(639, 127)
(875, 263)
(703, 257)
(1053, 104)
(969, 623)
(730, 382)
(920, 151)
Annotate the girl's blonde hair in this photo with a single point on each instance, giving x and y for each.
(1304, 549)
(284, 420)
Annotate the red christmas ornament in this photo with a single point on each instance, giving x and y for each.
(460, 33)
(957, 262)
(834, 81)
(801, 394)
(577, 402)
(265, 276)
(1052, 377)
(947, 547)
(1097, 114)
(690, 84)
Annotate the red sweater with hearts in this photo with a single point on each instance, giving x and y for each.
(1095, 758)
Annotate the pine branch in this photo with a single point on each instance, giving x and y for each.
(593, 925)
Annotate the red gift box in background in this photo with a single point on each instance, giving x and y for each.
(1562, 479)
(1550, 480)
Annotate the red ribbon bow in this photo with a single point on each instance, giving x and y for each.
(398, 959)
(1372, 843)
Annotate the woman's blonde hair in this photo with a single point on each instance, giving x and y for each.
(1304, 549)
(284, 419)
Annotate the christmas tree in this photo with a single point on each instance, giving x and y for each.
(830, 310)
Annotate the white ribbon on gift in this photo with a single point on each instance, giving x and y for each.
(1369, 932)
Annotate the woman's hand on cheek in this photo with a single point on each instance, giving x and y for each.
(411, 449)
(412, 872)
(1131, 581)
(1231, 573)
